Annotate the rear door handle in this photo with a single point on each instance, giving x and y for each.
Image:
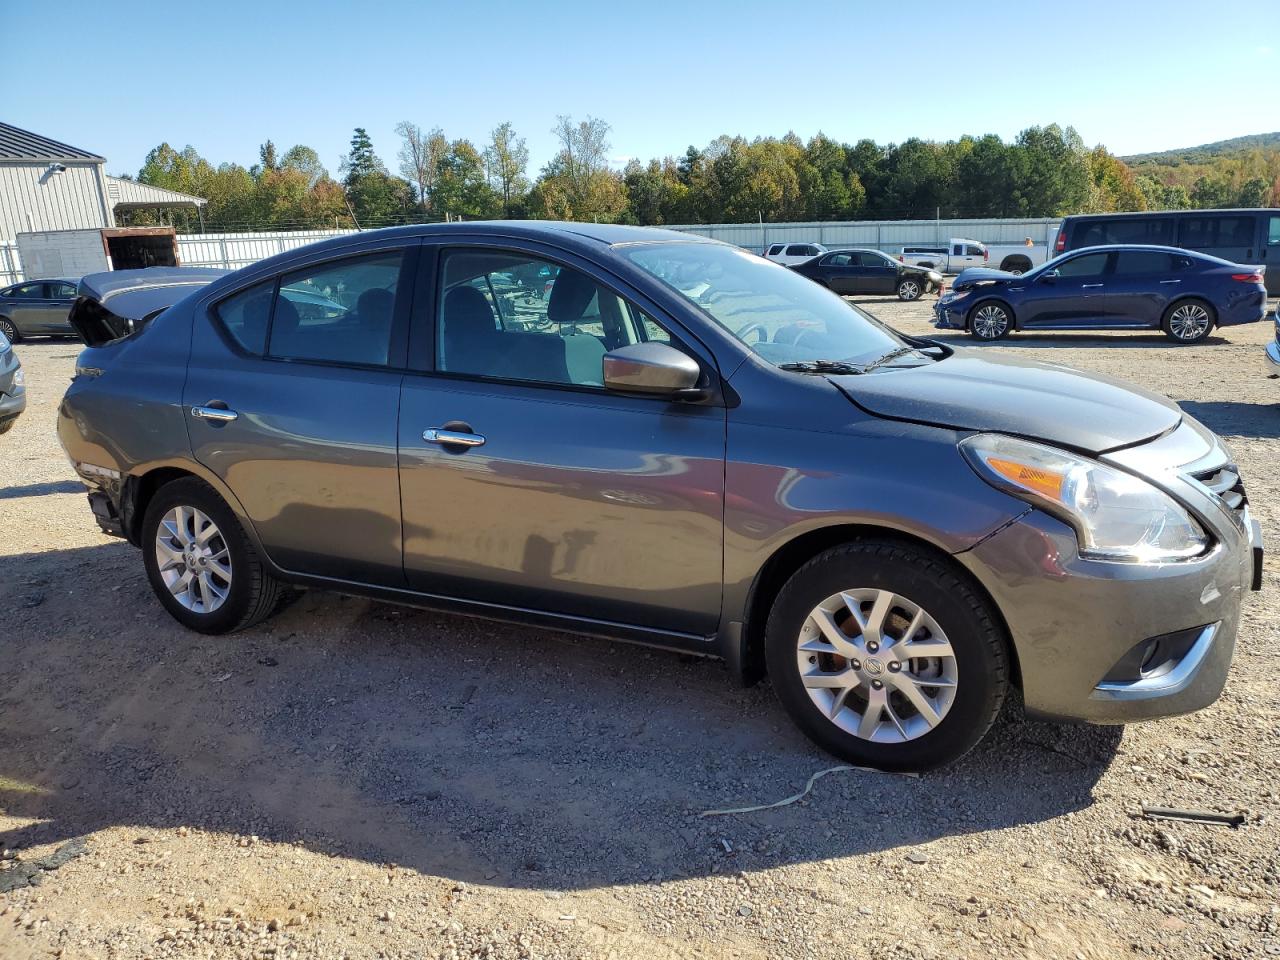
(452, 438)
(216, 414)
(1089, 286)
(1170, 281)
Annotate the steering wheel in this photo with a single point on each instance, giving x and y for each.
(756, 327)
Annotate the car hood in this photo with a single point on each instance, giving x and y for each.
(971, 276)
(1042, 401)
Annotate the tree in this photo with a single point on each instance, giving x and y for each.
(361, 161)
(462, 188)
(577, 184)
(306, 161)
(377, 199)
(506, 158)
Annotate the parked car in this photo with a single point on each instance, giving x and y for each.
(1238, 236)
(37, 308)
(1273, 349)
(693, 450)
(13, 388)
(869, 271)
(789, 253)
(955, 255)
(1108, 288)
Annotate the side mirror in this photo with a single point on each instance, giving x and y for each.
(652, 368)
(1049, 277)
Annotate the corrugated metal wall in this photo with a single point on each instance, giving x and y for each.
(33, 199)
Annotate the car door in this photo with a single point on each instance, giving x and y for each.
(56, 305)
(878, 274)
(525, 484)
(1142, 283)
(838, 271)
(291, 396)
(26, 307)
(1072, 295)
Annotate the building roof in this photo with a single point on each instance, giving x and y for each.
(19, 144)
(131, 195)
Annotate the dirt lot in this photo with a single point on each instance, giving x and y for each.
(359, 780)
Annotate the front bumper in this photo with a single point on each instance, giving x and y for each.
(1073, 620)
(1273, 359)
(950, 315)
(11, 405)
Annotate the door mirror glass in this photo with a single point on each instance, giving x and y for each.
(651, 368)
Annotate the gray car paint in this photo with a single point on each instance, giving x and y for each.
(610, 505)
(42, 316)
(13, 398)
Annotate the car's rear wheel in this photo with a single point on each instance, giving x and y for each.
(910, 289)
(9, 330)
(887, 657)
(990, 320)
(1188, 321)
(200, 562)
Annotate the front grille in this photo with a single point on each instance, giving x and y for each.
(1226, 484)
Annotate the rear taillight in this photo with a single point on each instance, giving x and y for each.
(1060, 245)
(1247, 277)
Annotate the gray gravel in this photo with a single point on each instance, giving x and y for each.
(355, 779)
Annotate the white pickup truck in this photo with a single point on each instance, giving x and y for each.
(960, 252)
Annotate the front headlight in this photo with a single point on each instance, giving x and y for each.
(19, 378)
(1116, 515)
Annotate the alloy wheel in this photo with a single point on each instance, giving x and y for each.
(1189, 322)
(990, 322)
(194, 559)
(8, 331)
(877, 665)
(908, 290)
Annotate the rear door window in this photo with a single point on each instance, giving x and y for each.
(63, 291)
(776, 249)
(338, 312)
(1141, 262)
(1273, 233)
(245, 317)
(973, 251)
(837, 260)
(800, 250)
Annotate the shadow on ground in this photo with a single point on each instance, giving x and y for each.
(464, 749)
(41, 489)
(1237, 418)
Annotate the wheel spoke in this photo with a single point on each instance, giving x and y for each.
(172, 558)
(830, 681)
(833, 634)
(923, 648)
(908, 687)
(873, 624)
(870, 722)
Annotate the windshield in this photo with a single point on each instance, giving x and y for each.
(780, 314)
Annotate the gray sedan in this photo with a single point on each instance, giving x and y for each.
(681, 445)
(37, 308)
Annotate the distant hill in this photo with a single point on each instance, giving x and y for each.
(1207, 152)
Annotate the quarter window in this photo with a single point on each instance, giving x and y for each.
(338, 312)
(514, 317)
(1273, 233)
(1207, 233)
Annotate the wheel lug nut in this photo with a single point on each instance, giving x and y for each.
(895, 666)
(873, 646)
(854, 664)
(876, 684)
(813, 659)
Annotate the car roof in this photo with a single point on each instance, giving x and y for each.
(1166, 213)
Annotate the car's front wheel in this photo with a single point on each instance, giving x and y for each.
(910, 289)
(1188, 321)
(887, 657)
(990, 320)
(8, 330)
(200, 562)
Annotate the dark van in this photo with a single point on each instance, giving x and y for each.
(1241, 236)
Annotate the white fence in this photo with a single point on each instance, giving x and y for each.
(233, 250)
(882, 234)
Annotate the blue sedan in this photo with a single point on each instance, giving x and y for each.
(1185, 294)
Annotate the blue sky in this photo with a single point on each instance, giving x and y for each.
(225, 75)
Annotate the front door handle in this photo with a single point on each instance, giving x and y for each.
(452, 438)
(1089, 286)
(216, 414)
(1170, 281)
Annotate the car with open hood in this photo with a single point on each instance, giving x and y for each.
(681, 445)
(1184, 294)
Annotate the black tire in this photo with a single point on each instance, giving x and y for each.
(920, 577)
(7, 425)
(981, 330)
(1016, 265)
(1170, 321)
(909, 288)
(9, 330)
(253, 594)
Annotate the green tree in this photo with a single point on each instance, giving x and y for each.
(506, 158)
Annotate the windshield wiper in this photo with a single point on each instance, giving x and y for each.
(891, 355)
(823, 366)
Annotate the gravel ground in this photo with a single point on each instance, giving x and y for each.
(356, 780)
